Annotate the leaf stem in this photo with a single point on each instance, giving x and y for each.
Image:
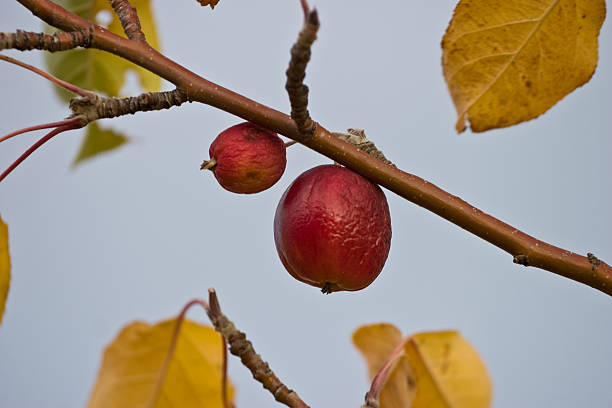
(35, 146)
(38, 127)
(66, 85)
(373, 395)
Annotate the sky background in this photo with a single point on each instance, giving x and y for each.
(135, 234)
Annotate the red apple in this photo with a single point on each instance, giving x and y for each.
(247, 158)
(332, 229)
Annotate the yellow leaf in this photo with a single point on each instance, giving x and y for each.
(508, 61)
(98, 140)
(211, 3)
(5, 266)
(448, 371)
(434, 370)
(97, 70)
(376, 342)
(132, 362)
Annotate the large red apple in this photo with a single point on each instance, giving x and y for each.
(247, 158)
(332, 229)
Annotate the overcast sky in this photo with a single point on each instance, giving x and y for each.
(139, 232)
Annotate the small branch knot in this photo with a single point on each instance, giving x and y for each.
(521, 260)
(593, 260)
(357, 138)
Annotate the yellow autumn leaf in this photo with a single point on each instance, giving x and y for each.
(132, 362)
(211, 3)
(376, 342)
(435, 370)
(5, 267)
(508, 61)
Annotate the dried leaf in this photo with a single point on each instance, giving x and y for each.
(132, 362)
(508, 61)
(437, 369)
(211, 3)
(98, 140)
(5, 267)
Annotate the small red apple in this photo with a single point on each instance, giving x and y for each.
(247, 158)
(332, 229)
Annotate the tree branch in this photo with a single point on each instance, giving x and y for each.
(241, 347)
(96, 107)
(537, 253)
(129, 19)
(26, 40)
(300, 55)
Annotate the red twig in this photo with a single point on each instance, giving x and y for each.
(305, 7)
(66, 85)
(35, 146)
(39, 127)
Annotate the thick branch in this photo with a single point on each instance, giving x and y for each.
(129, 19)
(413, 188)
(26, 40)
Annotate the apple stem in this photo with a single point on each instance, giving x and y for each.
(208, 164)
(290, 143)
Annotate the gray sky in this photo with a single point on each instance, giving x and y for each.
(139, 232)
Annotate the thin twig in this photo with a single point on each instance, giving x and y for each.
(298, 92)
(128, 16)
(66, 85)
(215, 308)
(357, 138)
(305, 7)
(96, 107)
(241, 347)
(27, 40)
(39, 127)
(35, 146)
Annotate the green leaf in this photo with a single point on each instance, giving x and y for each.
(98, 140)
(97, 70)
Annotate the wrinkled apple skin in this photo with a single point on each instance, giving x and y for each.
(332, 229)
(249, 158)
